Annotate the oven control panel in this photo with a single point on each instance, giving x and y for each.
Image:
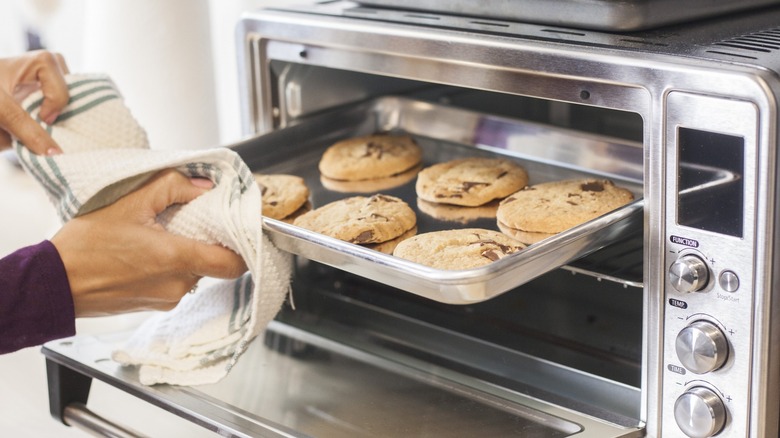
(709, 265)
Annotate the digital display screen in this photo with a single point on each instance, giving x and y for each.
(710, 181)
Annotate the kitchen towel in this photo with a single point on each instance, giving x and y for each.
(105, 156)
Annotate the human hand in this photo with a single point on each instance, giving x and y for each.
(119, 259)
(21, 76)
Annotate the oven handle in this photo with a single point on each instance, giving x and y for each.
(79, 416)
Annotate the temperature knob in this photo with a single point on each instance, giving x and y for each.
(688, 274)
(700, 413)
(701, 347)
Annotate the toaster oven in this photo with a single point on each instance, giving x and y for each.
(657, 319)
(675, 318)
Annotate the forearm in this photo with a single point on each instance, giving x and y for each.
(35, 298)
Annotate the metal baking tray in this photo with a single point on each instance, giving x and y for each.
(446, 133)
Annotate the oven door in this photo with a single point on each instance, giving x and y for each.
(304, 384)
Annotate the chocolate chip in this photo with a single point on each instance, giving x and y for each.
(495, 250)
(468, 185)
(506, 249)
(374, 149)
(273, 203)
(592, 186)
(491, 254)
(364, 237)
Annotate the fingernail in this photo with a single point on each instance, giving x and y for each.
(202, 183)
(50, 120)
(53, 151)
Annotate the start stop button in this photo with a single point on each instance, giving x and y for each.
(728, 281)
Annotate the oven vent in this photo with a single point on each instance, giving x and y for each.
(749, 45)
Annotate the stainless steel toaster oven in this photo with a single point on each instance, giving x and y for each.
(659, 319)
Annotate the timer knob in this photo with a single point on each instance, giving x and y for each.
(699, 412)
(701, 347)
(688, 274)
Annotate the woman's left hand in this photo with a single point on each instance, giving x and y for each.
(20, 76)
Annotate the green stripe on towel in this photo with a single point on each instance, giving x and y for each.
(246, 308)
(90, 81)
(39, 102)
(52, 189)
(94, 103)
(76, 97)
(236, 303)
(70, 203)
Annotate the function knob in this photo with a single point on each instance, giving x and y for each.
(688, 274)
(699, 413)
(701, 347)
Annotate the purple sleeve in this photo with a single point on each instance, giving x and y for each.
(35, 300)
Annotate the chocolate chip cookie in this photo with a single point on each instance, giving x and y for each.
(283, 195)
(370, 157)
(457, 249)
(556, 206)
(360, 219)
(470, 181)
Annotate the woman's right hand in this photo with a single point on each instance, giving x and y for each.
(119, 259)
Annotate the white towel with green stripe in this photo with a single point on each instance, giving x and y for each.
(105, 156)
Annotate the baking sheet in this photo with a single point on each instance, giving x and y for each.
(446, 133)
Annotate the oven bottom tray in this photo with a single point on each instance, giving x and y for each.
(446, 133)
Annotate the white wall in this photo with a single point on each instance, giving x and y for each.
(224, 16)
(173, 60)
(160, 58)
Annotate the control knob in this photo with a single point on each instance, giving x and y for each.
(699, 412)
(701, 347)
(688, 274)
